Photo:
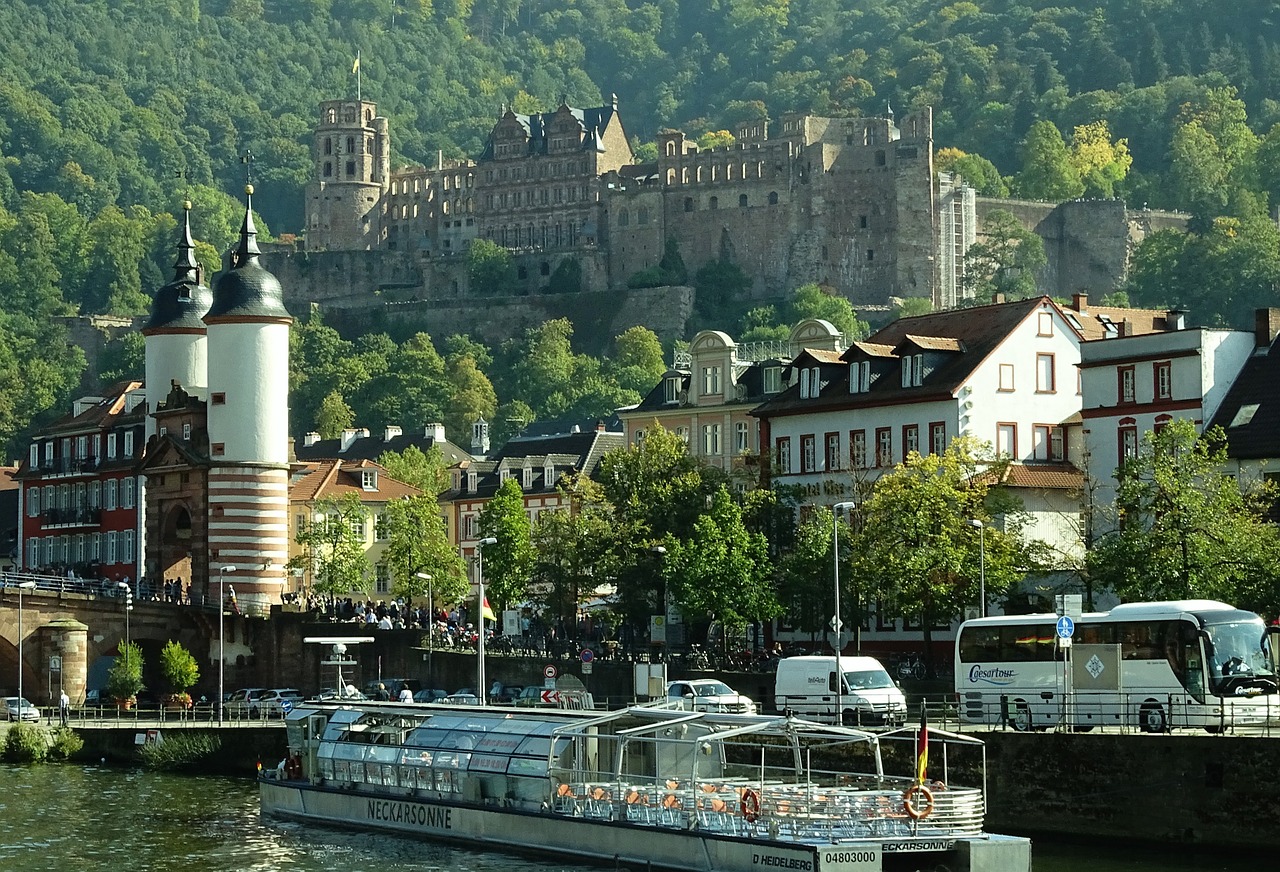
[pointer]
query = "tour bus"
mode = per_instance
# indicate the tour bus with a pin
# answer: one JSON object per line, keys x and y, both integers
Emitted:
{"x": 1191, "y": 663}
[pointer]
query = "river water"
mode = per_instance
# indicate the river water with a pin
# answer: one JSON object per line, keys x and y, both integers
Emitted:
{"x": 65, "y": 818}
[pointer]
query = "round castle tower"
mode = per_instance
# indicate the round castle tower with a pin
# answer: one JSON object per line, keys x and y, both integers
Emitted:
{"x": 175, "y": 340}
{"x": 351, "y": 154}
{"x": 248, "y": 422}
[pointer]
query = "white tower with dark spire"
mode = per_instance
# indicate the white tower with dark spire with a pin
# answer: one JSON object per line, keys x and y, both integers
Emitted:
{"x": 248, "y": 422}
{"x": 175, "y": 338}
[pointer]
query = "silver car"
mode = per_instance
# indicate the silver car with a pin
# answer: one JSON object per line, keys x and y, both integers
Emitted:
{"x": 14, "y": 708}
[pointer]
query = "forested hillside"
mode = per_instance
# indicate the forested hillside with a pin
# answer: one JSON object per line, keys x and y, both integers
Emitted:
{"x": 112, "y": 111}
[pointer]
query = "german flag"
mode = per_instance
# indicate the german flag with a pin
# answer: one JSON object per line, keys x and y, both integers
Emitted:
{"x": 486, "y": 612}
{"x": 922, "y": 747}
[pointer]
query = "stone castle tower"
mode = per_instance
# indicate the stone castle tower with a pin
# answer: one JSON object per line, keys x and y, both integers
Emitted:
{"x": 351, "y": 160}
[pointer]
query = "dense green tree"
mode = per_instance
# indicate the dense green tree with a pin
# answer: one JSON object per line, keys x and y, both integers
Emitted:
{"x": 1005, "y": 261}
{"x": 332, "y": 551}
{"x": 491, "y": 271}
{"x": 508, "y": 563}
{"x": 334, "y": 416}
{"x": 1100, "y": 162}
{"x": 637, "y": 363}
{"x": 811, "y": 301}
{"x": 426, "y": 470}
{"x": 1047, "y": 170}
{"x": 418, "y": 542}
{"x": 575, "y": 547}
{"x": 975, "y": 169}
{"x": 178, "y": 666}
{"x": 471, "y": 395}
{"x": 1183, "y": 527}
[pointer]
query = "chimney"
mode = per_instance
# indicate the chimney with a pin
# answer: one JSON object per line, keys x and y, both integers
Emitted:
{"x": 1175, "y": 319}
{"x": 391, "y": 433}
{"x": 997, "y": 297}
{"x": 435, "y": 432}
{"x": 310, "y": 439}
{"x": 1266, "y": 324}
{"x": 1080, "y": 302}
{"x": 349, "y": 436}
{"x": 599, "y": 426}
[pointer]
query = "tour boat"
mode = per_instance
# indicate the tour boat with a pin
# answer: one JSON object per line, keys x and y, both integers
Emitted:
{"x": 645, "y": 787}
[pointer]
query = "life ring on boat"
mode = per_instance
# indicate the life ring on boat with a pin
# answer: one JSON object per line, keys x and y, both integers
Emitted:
{"x": 750, "y": 805}
{"x": 917, "y": 802}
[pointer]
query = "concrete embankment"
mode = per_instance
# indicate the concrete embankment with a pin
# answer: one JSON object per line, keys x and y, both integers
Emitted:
{"x": 1183, "y": 788}
{"x": 240, "y": 750}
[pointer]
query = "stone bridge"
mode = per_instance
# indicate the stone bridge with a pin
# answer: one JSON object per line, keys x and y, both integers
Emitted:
{"x": 71, "y": 634}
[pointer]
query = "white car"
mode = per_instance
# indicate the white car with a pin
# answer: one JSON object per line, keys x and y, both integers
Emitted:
{"x": 13, "y": 708}
{"x": 709, "y": 695}
{"x": 243, "y": 703}
{"x": 275, "y": 703}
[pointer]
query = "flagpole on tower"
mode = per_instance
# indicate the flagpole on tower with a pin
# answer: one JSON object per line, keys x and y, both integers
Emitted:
{"x": 355, "y": 68}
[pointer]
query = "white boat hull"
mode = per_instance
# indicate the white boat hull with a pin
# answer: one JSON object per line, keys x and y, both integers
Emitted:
{"x": 615, "y": 843}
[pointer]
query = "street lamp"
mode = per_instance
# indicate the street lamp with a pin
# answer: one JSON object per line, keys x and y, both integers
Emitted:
{"x": 431, "y": 615}
{"x": 26, "y": 585}
{"x": 128, "y": 606}
{"x": 982, "y": 566}
{"x": 835, "y": 621}
{"x": 222, "y": 634}
{"x": 482, "y": 690}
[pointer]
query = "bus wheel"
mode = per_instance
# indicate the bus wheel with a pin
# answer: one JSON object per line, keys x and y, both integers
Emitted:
{"x": 1213, "y": 731}
{"x": 1082, "y": 728}
{"x": 1151, "y": 718}
{"x": 1020, "y": 720}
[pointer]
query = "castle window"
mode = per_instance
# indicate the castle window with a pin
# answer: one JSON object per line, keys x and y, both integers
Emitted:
{"x": 328, "y": 145}
{"x": 671, "y": 148}
{"x": 742, "y": 201}
{"x": 642, "y": 215}
{"x": 880, "y": 158}
{"x": 688, "y": 204}
{"x": 351, "y": 144}
{"x": 351, "y": 168}
{"x": 871, "y": 255}
{"x": 773, "y": 198}
{"x": 522, "y": 273}
{"x": 624, "y": 218}
{"x": 544, "y": 268}
{"x": 862, "y": 221}
{"x": 331, "y": 116}
{"x": 328, "y": 169}
{"x": 713, "y": 203}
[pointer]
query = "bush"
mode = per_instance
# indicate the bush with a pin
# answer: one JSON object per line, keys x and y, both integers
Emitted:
{"x": 66, "y": 744}
{"x": 178, "y": 667}
{"x": 26, "y": 744}
{"x": 181, "y": 752}
{"x": 124, "y": 680}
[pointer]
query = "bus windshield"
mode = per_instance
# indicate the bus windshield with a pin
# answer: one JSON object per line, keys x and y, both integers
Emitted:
{"x": 1239, "y": 654}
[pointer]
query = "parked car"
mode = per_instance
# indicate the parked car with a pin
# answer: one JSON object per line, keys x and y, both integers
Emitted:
{"x": 430, "y": 694}
{"x": 709, "y": 695}
{"x": 243, "y": 701}
{"x": 329, "y": 694}
{"x": 272, "y": 703}
{"x": 507, "y": 695}
{"x": 461, "y": 698}
{"x": 14, "y": 708}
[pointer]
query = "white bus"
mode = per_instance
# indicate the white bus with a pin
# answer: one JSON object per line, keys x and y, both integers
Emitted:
{"x": 1191, "y": 663}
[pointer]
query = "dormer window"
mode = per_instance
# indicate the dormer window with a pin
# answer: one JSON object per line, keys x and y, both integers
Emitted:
{"x": 859, "y": 376}
{"x": 503, "y": 475}
{"x": 913, "y": 370}
{"x": 471, "y": 482}
{"x": 810, "y": 382}
{"x": 772, "y": 379}
{"x": 369, "y": 479}
{"x": 711, "y": 380}
{"x": 526, "y": 478}
{"x": 671, "y": 389}
{"x": 549, "y": 475}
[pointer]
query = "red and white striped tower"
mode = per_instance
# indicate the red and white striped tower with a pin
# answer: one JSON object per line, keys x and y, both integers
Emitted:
{"x": 248, "y": 420}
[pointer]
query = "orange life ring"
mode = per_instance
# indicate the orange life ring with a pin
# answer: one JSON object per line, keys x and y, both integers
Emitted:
{"x": 917, "y": 811}
{"x": 750, "y": 805}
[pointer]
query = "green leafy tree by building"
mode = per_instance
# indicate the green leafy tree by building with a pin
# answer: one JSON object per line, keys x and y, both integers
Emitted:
{"x": 334, "y": 546}
{"x": 491, "y": 271}
{"x": 418, "y": 542}
{"x": 1047, "y": 170}
{"x": 574, "y": 546}
{"x": 180, "y": 670}
{"x": 1005, "y": 261}
{"x": 1184, "y": 528}
{"x": 124, "y": 679}
{"x": 509, "y": 562}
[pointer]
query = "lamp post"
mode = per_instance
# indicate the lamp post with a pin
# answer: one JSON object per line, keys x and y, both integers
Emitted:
{"x": 431, "y": 616}
{"x": 660, "y": 554}
{"x": 128, "y": 606}
{"x": 26, "y": 585}
{"x": 481, "y": 691}
{"x": 222, "y": 633}
{"x": 982, "y": 566}
{"x": 835, "y": 621}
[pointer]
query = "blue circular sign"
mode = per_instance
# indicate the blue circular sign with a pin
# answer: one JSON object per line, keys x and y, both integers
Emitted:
{"x": 587, "y": 655}
{"x": 1066, "y": 627}
{"x": 286, "y": 706}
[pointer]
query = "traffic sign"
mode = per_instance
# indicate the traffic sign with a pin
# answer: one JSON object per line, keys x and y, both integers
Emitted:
{"x": 586, "y": 668}
{"x": 1066, "y": 627}
{"x": 835, "y": 624}
{"x": 548, "y": 671}
{"x": 551, "y": 696}
{"x": 587, "y": 655}
{"x": 286, "y": 706}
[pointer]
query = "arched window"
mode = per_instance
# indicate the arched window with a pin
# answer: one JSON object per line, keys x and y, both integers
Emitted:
{"x": 624, "y": 217}
{"x": 684, "y": 175}
{"x": 698, "y": 174}
{"x": 328, "y": 145}
{"x": 671, "y": 148}
{"x": 642, "y": 215}
{"x": 773, "y": 198}
{"x": 331, "y": 116}
{"x": 444, "y": 207}
{"x": 688, "y": 204}
{"x": 671, "y": 177}
{"x": 742, "y": 201}
{"x": 351, "y": 144}
{"x": 713, "y": 203}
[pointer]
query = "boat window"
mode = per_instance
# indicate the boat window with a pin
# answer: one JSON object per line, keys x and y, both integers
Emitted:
{"x": 339, "y": 721}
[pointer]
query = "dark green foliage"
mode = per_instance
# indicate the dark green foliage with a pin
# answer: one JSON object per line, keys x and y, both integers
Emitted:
{"x": 66, "y": 743}
{"x": 25, "y": 743}
{"x": 181, "y": 751}
{"x": 567, "y": 279}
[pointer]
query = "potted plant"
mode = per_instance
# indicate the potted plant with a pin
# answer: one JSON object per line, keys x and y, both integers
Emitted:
{"x": 180, "y": 672}
{"x": 124, "y": 680}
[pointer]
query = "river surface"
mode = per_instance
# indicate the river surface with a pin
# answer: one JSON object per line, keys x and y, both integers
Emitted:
{"x": 65, "y": 818}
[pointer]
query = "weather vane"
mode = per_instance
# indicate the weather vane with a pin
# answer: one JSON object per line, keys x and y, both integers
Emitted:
{"x": 247, "y": 160}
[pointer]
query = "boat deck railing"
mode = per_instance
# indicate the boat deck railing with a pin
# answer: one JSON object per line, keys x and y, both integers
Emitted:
{"x": 801, "y": 812}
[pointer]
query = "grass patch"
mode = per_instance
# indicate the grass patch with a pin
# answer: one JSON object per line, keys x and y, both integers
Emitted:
{"x": 181, "y": 752}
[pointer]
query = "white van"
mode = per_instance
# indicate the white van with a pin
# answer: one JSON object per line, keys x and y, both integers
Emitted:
{"x": 807, "y": 687}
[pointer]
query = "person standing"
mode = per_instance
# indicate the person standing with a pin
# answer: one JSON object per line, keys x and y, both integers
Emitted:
{"x": 406, "y": 695}
{"x": 64, "y": 707}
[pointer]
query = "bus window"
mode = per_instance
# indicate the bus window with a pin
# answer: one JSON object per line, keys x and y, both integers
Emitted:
{"x": 980, "y": 645}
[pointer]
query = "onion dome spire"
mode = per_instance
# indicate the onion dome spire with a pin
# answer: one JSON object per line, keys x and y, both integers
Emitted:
{"x": 183, "y": 302}
{"x": 247, "y": 290}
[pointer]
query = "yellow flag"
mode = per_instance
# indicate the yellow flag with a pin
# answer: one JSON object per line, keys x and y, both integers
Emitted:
{"x": 355, "y": 68}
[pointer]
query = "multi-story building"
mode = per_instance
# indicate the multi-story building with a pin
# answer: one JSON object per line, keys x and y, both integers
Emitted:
{"x": 1135, "y": 384}
{"x": 319, "y": 481}
{"x": 1248, "y": 413}
{"x": 535, "y": 463}
{"x": 708, "y": 394}
{"x": 80, "y": 492}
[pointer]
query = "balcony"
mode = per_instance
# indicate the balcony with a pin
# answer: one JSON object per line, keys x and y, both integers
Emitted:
{"x": 77, "y": 517}
{"x": 68, "y": 466}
